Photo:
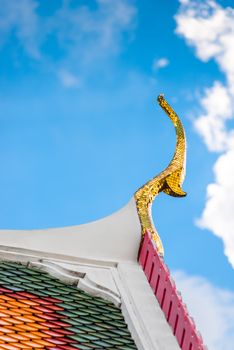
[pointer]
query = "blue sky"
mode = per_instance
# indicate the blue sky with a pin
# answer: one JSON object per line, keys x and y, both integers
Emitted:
{"x": 80, "y": 129}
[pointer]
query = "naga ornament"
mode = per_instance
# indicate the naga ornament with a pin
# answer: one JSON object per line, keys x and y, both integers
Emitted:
{"x": 168, "y": 181}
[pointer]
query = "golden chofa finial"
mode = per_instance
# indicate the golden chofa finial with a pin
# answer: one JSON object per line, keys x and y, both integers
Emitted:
{"x": 168, "y": 181}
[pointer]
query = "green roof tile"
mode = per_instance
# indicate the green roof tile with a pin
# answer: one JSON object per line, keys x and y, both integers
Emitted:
{"x": 87, "y": 322}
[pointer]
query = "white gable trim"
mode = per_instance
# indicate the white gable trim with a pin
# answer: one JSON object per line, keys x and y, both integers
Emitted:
{"x": 123, "y": 283}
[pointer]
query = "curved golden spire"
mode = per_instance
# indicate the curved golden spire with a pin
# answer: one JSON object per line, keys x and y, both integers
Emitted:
{"x": 168, "y": 181}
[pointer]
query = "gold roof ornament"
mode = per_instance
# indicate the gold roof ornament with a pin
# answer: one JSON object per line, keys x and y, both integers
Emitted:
{"x": 168, "y": 181}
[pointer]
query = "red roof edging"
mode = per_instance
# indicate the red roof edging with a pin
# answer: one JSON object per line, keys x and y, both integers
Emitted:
{"x": 169, "y": 298}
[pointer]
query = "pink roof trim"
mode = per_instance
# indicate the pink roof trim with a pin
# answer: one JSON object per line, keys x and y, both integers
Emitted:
{"x": 169, "y": 298}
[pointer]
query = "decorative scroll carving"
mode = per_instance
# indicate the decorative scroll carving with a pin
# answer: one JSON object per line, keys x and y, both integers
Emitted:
{"x": 168, "y": 181}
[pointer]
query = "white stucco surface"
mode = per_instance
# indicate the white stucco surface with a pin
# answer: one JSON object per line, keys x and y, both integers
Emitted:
{"x": 101, "y": 258}
{"x": 113, "y": 238}
{"x": 142, "y": 311}
{"x": 124, "y": 284}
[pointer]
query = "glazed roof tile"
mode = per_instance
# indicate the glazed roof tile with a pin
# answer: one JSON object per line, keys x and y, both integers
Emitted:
{"x": 38, "y": 311}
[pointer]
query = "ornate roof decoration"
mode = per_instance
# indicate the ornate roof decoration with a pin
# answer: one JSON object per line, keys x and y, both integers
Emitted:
{"x": 84, "y": 287}
{"x": 168, "y": 181}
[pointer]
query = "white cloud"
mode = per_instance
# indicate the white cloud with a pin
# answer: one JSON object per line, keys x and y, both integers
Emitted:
{"x": 89, "y": 33}
{"x": 209, "y": 28}
{"x": 68, "y": 79}
{"x": 20, "y": 17}
{"x": 82, "y": 33}
{"x": 217, "y": 109}
{"x": 218, "y": 215}
{"x": 160, "y": 63}
{"x": 217, "y": 327}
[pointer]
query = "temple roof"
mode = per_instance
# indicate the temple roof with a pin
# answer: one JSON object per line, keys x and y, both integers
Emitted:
{"x": 39, "y": 311}
{"x": 102, "y": 285}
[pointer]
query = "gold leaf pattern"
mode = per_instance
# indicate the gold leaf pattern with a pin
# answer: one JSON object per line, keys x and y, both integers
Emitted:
{"x": 168, "y": 181}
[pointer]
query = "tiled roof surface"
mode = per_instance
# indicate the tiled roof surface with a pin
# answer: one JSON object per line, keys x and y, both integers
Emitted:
{"x": 38, "y": 311}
